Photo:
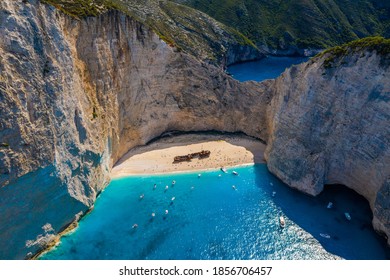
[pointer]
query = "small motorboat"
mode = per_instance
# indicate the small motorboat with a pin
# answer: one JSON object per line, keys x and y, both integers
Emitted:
{"x": 134, "y": 226}
{"x": 223, "y": 169}
{"x": 141, "y": 196}
{"x": 173, "y": 182}
{"x": 347, "y": 216}
{"x": 330, "y": 205}
{"x": 166, "y": 212}
{"x": 235, "y": 173}
{"x": 166, "y": 188}
{"x": 199, "y": 175}
{"x": 173, "y": 198}
{"x": 153, "y": 215}
{"x": 234, "y": 187}
{"x": 282, "y": 222}
{"x": 155, "y": 186}
{"x": 271, "y": 184}
{"x": 325, "y": 235}
{"x": 273, "y": 194}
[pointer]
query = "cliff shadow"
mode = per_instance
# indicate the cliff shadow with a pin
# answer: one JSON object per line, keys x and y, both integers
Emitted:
{"x": 353, "y": 239}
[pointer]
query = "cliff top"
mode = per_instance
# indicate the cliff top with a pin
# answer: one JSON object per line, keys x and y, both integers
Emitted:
{"x": 179, "y": 26}
{"x": 378, "y": 44}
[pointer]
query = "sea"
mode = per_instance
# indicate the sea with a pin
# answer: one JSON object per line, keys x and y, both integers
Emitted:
{"x": 221, "y": 216}
{"x": 213, "y": 215}
{"x": 267, "y": 68}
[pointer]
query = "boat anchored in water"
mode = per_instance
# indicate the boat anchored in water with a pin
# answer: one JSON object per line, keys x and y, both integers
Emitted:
{"x": 282, "y": 222}
{"x": 325, "y": 235}
{"x": 235, "y": 173}
{"x": 223, "y": 169}
{"x": 347, "y": 216}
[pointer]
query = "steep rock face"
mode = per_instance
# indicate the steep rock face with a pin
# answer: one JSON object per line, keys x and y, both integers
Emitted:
{"x": 77, "y": 94}
{"x": 158, "y": 89}
{"x": 330, "y": 125}
{"x": 53, "y": 163}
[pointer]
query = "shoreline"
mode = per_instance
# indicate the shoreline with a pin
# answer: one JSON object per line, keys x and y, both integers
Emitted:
{"x": 183, "y": 171}
{"x": 157, "y": 158}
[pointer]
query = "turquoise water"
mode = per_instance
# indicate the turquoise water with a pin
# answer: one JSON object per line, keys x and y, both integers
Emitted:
{"x": 209, "y": 219}
{"x": 267, "y": 68}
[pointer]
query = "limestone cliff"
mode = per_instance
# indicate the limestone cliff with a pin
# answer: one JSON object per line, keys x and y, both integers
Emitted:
{"x": 77, "y": 94}
{"x": 329, "y": 124}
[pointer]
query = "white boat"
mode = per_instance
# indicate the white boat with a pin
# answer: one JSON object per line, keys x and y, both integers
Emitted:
{"x": 141, "y": 196}
{"x": 223, "y": 169}
{"x": 347, "y": 216}
{"x": 273, "y": 194}
{"x": 173, "y": 182}
{"x": 235, "y": 173}
{"x": 282, "y": 222}
{"x": 234, "y": 187}
{"x": 330, "y": 205}
{"x": 324, "y": 235}
{"x": 173, "y": 198}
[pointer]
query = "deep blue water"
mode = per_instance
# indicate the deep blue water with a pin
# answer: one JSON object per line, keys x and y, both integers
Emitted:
{"x": 210, "y": 220}
{"x": 267, "y": 68}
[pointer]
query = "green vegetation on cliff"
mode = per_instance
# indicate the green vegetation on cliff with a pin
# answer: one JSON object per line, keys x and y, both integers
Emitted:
{"x": 377, "y": 44}
{"x": 282, "y": 24}
{"x": 178, "y": 25}
{"x": 82, "y": 8}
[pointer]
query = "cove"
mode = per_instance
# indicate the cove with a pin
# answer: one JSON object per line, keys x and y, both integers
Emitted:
{"x": 267, "y": 68}
{"x": 209, "y": 219}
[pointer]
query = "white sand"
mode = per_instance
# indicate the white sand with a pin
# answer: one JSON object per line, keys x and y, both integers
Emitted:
{"x": 157, "y": 157}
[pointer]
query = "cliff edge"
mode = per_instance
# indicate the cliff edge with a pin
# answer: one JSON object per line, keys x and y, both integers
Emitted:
{"x": 329, "y": 124}
{"x": 78, "y": 94}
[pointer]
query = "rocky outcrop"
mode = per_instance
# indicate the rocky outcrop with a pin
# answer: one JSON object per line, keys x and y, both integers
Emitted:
{"x": 329, "y": 124}
{"x": 77, "y": 94}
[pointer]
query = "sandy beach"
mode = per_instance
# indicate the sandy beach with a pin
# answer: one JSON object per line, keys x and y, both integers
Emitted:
{"x": 158, "y": 156}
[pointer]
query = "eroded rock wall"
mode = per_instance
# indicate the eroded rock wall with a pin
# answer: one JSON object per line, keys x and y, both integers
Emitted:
{"x": 77, "y": 94}
{"x": 330, "y": 125}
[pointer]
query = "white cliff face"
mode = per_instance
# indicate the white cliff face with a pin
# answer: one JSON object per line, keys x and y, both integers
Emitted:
{"x": 146, "y": 88}
{"x": 75, "y": 95}
{"x": 78, "y": 94}
{"x": 52, "y": 165}
{"x": 331, "y": 126}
